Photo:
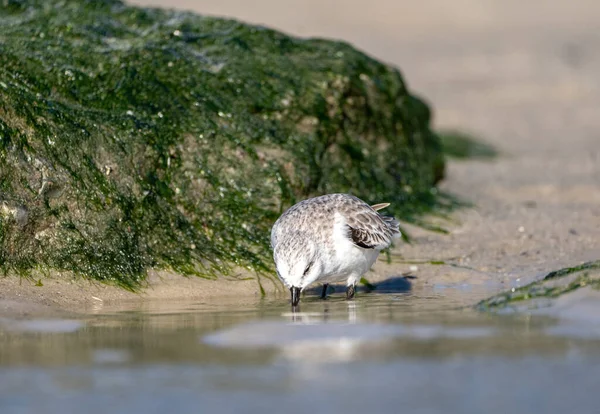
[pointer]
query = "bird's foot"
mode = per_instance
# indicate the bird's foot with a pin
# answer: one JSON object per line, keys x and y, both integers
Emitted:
{"x": 350, "y": 290}
{"x": 324, "y": 291}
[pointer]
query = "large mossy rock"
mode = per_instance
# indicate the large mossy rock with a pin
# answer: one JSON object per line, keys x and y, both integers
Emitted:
{"x": 133, "y": 138}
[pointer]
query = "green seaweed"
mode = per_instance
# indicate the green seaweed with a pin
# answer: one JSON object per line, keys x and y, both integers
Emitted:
{"x": 461, "y": 145}
{"x": 135, "y": 138}
{"x": 569, "y": 270}
{"x": 553, "y": 285}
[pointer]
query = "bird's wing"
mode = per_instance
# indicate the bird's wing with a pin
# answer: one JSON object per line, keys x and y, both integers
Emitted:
{"x": 369, "y": 230}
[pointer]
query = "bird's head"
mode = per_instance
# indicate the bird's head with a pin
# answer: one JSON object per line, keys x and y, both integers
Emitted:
{"x": 296, "y": 260}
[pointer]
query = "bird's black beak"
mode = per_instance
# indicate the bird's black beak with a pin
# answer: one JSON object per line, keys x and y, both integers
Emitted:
{"x": 295, "y": 291}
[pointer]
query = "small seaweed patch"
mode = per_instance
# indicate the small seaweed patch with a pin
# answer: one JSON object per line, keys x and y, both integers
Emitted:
{"x": 568, "y": 270}
{"x": 135, "y": 138}
{"x": 553, "y": 285}
{"x": 461, "y": 145}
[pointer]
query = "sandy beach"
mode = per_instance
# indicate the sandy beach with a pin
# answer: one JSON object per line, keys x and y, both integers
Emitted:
{"x": 520, "y": 77}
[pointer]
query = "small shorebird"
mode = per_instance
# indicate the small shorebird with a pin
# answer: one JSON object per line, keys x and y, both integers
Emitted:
{"x": 331, "y": 238}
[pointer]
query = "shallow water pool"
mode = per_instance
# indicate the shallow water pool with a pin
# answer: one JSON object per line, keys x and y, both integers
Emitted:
{"x": 415, "y": 352}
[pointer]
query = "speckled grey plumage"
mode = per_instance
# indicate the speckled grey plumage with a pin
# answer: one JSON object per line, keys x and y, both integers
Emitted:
{"x": 330, "y": 233}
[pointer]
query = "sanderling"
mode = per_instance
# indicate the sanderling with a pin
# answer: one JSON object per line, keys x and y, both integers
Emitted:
{"x": 331, "y": 238}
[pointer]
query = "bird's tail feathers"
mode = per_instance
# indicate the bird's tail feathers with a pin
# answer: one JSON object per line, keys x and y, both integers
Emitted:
{"x": 393, "y": 225}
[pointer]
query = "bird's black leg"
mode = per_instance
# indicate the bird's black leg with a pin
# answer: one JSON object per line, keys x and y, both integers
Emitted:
{"x": 350, "y": 290}
{"x": 324, "y": 292}
{"x": 295, "y": 291}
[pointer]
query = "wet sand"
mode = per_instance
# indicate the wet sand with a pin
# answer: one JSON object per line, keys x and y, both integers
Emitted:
{"x": 522, "y": 77}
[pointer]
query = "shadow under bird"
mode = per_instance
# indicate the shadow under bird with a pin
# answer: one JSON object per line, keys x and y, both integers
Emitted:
{"x": 331, "y": 238}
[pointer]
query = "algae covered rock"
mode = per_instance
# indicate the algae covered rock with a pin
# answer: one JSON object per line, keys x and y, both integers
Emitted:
{"x": 133, "y": 138}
